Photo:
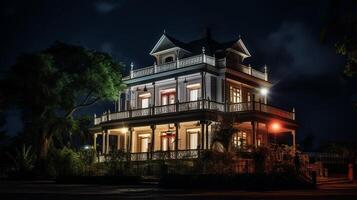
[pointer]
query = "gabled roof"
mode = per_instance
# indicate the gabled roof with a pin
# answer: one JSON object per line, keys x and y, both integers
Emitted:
{"x": 167, "y": 42}
{"x": 237, "y": 45}
{"x": 211, "y": 46}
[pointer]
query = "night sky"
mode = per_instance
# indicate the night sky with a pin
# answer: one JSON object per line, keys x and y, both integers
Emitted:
{"x": 285, "y": 35}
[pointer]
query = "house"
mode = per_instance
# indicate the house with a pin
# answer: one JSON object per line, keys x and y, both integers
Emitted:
{"x": 171, "y": 109}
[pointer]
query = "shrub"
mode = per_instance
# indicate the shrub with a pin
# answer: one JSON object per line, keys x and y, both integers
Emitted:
{"x": 23, "y": 160}
{"x": 67, "y": 162}
{"x": 115, "y": 164}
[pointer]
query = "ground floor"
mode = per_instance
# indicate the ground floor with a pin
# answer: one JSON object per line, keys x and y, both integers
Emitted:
{"x": 186, "y": 139}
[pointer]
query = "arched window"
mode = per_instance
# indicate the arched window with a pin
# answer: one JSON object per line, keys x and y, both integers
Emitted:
{"x": 169, "y": 59}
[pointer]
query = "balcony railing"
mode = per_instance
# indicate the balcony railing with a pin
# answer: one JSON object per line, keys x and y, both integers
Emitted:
{"x": 165, "y": 155}
{"x": 193, "y": 60}
{"x": 195, "y": 105}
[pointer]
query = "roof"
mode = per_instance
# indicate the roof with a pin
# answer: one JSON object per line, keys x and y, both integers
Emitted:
{"x": 211, "y": 46}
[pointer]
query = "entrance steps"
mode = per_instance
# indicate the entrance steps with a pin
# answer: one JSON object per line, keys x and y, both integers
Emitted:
{"x": 332, "y": 180}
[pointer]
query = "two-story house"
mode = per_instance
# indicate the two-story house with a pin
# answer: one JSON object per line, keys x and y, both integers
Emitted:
{"x": 177, "y": 104}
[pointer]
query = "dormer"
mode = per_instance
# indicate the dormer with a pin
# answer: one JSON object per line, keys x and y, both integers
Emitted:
{"x": 168, "y": 50}
{"x": 236, "y": 52}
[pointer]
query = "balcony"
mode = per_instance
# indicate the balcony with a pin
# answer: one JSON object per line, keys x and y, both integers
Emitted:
{"x": 193, "y": 60}
{"x": 182, "y": 107}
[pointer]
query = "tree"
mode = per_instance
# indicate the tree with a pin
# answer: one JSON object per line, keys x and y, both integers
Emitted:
{"x": 223, "y": 134}
{"x": 50, "y": 86}
{"x": 341, "y": 29}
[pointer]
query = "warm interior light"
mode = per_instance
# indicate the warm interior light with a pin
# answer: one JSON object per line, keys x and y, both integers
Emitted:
{"x": 168, "y": 90}
{"x": 195, "y": 85}
{"x": 145, "y": 135}
{"x": 123, "y": 130}
{"x": 275, "y": 126}
{"x": 145, "y": 95}
{"x": 264, "y": 91}
{"x": 193, "y": 129}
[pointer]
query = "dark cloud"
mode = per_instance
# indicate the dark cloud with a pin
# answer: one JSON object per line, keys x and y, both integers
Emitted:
{"x": 105, "y": 6}
{"x": 295, "y": 50}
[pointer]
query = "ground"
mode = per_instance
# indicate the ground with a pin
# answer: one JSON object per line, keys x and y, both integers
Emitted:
{"x": 49, "y": 190}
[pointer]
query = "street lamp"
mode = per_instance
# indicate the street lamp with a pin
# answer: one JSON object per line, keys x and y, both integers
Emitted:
{"x": 264, "y": 92}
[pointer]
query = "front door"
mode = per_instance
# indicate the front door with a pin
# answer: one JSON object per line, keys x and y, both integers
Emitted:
{"x": 144, "y": 141}
{"x": 192, "y": 136}
{"x": 167, "y": 142}
{"x": 168, "y": 98}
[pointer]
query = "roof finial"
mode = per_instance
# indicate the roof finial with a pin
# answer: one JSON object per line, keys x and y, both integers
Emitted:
{"x": 164, "y": 31}
{"x": 203, "y": 50}
{"x": 131, "y": 66}
{"x": 239, "y": 36}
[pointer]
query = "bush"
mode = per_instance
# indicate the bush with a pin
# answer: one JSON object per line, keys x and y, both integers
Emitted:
{"x": 116, "y": 165}
{"x": 67, "y": 162}
{"x": 23, "y": 160}
{"x": 88, "y": 156}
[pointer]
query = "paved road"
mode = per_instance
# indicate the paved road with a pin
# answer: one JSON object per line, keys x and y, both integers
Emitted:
{"x": 52, "y": 191}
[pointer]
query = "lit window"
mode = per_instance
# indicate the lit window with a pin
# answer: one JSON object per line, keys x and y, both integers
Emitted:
{"x": 240, "y": 139}
{"x": 192, "y": 138}
{"x": 144, "y": 102}
{"x": 168, "y": 96}
{"x": 144, "y": 142}
{"x": 234, "y": 94}
{"x": 194, "y": 94}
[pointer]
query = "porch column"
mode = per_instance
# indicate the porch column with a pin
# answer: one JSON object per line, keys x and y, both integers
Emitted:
{"x": 154, "y": 98}
{"x": 266, "y": 134}
{"x": 177, "y": 88}
{"x": 152, "y": 148}
{"x": 103, "y": 142}
{"x": 202, "y": 143}
{"x": 207, "y": 144}
{"x": 202, "y": 88}
{"x": 107, "y": 138}
{"x": 129, "y": 136}
{"x": 294, "y": 140}
{"x": 254, "y": 133}
{"x": 177, "y": 125}
{"x": 118, "y": 141}
{"x": 95, "y": 142}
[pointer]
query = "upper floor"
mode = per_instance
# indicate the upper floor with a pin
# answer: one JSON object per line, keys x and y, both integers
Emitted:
{"x": 170, "y": 54}
{"x": 199, "y": 75}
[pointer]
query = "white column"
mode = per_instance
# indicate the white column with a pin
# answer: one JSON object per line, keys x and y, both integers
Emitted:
{"x": 125, "y": 142}
{"x": 118, "y": 141}
{"x": 95, "y": 142}
{"x": 103, "y": 142}
{"x": 107, "y": 141}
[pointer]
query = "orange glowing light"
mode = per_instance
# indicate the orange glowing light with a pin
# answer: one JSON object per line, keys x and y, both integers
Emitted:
{"x": 275, "y": 126}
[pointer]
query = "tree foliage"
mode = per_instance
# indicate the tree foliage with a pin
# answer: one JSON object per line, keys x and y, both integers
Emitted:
{"x": 341, "y": 29}
{"x": 50, "y": 86}
{"x": 222, "y": 136}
